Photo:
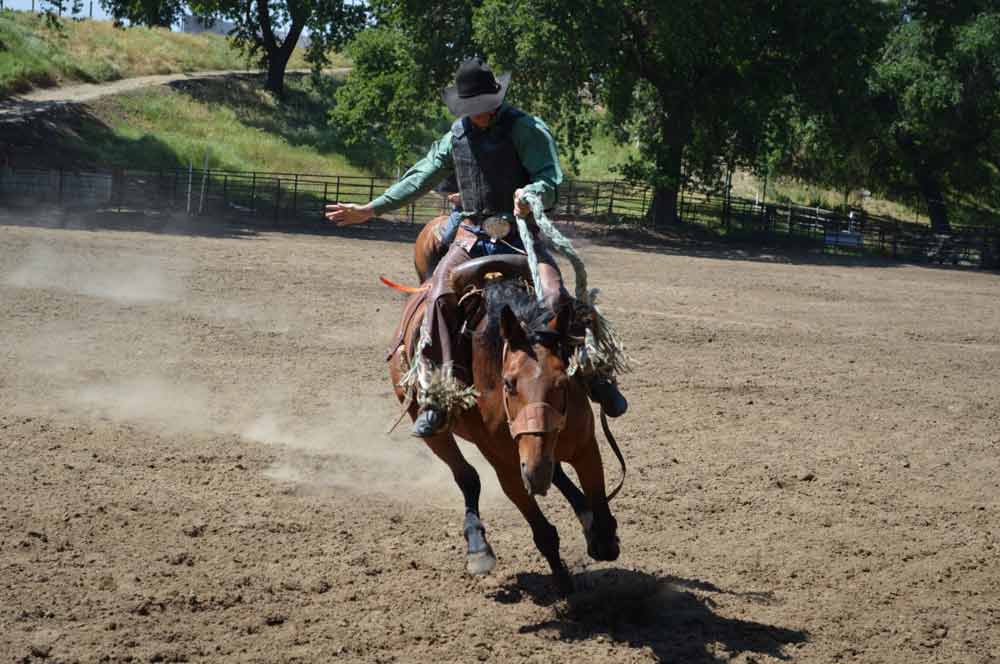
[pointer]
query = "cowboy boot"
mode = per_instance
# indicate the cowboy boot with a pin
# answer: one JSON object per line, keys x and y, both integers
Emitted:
{"x": 605, "y": 392}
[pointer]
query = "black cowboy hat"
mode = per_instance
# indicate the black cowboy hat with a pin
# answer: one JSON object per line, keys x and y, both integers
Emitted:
{"x": 476, "y": 89}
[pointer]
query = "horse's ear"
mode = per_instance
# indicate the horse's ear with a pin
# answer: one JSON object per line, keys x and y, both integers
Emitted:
{"x": 510, "y": 328}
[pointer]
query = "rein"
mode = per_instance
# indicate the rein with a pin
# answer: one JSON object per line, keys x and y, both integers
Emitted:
{"x": 613, "y": 444}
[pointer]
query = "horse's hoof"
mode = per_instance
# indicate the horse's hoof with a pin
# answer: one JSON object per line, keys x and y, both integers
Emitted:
{"x": 605, "y": 551}
{"x": 481, "y": 563}
{"x": 564, "y": 582}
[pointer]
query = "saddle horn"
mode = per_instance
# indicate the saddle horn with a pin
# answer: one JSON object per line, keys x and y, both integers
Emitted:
{"x": 473, "y": 272}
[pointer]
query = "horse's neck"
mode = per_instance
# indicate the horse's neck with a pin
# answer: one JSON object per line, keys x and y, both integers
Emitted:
{"x": 487, "y": 358}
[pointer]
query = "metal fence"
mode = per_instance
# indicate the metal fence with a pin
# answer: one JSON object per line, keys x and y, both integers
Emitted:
{"x": 281, "y": 197}
{"x": 977, "y": 246}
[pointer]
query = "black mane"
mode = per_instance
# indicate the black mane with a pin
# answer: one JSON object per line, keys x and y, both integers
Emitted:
{"x": 534, "y": 317}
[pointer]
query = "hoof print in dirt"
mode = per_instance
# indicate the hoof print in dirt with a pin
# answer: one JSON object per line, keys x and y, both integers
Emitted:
{"x": 275, "y": 619}
{"x": 181, "y": 558}
{"x": 195, "y": 531}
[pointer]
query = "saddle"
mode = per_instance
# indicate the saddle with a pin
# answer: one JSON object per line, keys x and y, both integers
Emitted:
{"x": 467, "y": 280}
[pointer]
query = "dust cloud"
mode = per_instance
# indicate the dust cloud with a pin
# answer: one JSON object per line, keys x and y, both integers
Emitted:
{"x": 349, "y": 448}
{"x": 107, "y": 360}
{"x": 125, "y": 278}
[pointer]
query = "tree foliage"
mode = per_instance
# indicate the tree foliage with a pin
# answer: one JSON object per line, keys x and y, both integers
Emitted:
{"x": 384, "y": 105}
{"x": 157, "y": 13}
{"x": 694, "y": 85}
{"x": 936, "y": 89}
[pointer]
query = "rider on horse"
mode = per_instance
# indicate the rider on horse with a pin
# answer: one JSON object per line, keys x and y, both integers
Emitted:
{"x": 498, "y": 154}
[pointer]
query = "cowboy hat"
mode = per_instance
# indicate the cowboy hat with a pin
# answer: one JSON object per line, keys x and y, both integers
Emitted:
{"x": 476, "y": 89}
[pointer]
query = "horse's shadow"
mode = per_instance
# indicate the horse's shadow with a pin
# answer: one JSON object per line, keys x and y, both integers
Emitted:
{"x": 675, "y": 617}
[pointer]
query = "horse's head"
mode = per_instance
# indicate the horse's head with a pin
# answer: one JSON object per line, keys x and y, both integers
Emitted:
{"x": 536, "y": 396}
{"x": 535, "y": 385}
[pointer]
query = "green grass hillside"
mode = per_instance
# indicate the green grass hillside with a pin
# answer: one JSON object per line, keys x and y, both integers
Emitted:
{"x": 238, "y": 124}
{"x": 34, "y": 54}
{"x": 235, "y": 121}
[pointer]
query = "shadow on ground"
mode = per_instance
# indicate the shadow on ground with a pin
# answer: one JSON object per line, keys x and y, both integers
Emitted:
{"x": 676, "y": 618}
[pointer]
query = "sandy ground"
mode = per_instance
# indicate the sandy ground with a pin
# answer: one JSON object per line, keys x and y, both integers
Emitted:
{"x": 194, "y": 465}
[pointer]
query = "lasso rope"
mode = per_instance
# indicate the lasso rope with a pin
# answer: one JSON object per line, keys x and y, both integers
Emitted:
{"x": 602, "y": 352}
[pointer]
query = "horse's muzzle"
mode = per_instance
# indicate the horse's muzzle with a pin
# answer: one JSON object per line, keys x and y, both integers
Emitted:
{"x": 537, "y": 477}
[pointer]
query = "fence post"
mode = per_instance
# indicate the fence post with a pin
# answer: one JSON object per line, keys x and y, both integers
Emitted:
{"x": 336, "y": 196}
{"x": 225, "y": 190}
{"x": 569, "y": 200}
{"x": 597, "y": 198}
{"x": 295, "y": 196}
{"x": 190, "y": 178}
{"x": 611, "y": 201}
{"x": 253, "y": 191}
{"x": 371, "y": 189}
{"x": 325, "y": 199}
{"x": 277, "y": 197}
{"x": 642, "y": 210}
{"x": 895, "y": 239}
{"x": 985, "y": 250}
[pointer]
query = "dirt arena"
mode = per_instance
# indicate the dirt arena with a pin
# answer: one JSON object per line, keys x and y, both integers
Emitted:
{"x": 193, "y": 465}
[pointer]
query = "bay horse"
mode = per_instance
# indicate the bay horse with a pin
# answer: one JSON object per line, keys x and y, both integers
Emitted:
{"x": 530, "y": 416}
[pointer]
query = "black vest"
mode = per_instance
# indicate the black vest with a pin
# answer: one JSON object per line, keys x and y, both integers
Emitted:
{"x": 486, "y": 164}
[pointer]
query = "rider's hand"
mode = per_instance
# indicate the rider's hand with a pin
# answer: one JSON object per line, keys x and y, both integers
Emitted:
{"x": 455, "y": 199}
{"x": 521, "y": 208}
{"x": 348, "y": 214}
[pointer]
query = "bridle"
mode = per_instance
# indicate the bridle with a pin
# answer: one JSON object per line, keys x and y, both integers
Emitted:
{"x": 537, "y": 417}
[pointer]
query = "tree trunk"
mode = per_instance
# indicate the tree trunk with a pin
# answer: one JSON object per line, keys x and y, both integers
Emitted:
{"x": 663, "y": 209}
{"x": 930, "y": 189}
{"x": 278, "y": 54}
{"x": 277, "y": 60}
{"x": 674, "y": 131}
{"x": 276, "y": 66}
{"x": 928, "y": 182}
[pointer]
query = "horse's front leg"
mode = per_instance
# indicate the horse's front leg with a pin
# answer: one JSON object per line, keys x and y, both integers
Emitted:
{"x": 599, "y": 526}
{"x": 544, "y": 533}
{"x": 479, "y": 556}
{"x": 579, "y": 502}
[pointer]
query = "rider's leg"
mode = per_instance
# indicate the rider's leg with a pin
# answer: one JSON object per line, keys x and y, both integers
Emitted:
{"x": 437, "y": 361}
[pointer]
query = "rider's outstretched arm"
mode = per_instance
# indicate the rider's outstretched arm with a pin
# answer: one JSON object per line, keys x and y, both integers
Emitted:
{"x": 417, "y": 181}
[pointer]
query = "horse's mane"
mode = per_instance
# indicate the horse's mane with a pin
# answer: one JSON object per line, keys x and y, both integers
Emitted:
{"x": 534, "y": 316}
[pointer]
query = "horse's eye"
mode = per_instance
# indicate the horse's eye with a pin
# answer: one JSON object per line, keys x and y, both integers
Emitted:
{"x": 510, "y": 384}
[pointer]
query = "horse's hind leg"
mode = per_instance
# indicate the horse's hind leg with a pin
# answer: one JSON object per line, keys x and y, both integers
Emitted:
{"x": 544, "y": 533}
{"x": 602, "y": 533}
{"x": 479, "y": 556}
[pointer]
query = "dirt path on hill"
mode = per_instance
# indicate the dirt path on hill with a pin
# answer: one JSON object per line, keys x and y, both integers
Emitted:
{"x": 39, "y": 101}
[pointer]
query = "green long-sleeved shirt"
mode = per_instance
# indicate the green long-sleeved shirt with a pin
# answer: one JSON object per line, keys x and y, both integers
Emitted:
{"x": 535, "y": 148}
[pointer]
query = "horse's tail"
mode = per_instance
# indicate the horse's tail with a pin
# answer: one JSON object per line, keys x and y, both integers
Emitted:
{"x": 404, "y": 289}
